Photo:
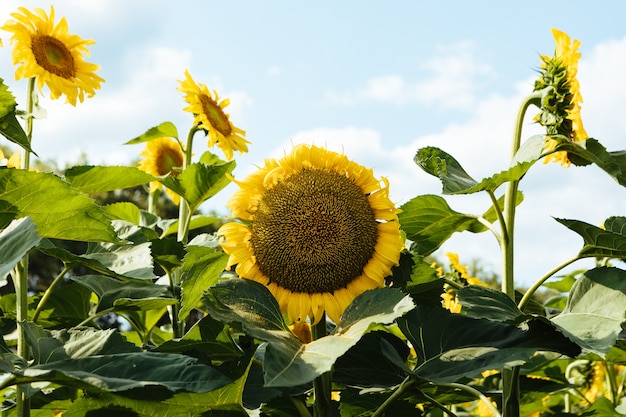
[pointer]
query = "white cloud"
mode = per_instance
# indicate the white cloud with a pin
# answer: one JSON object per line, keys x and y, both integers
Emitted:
{"x": 274, "y": 70}
{"x": 450, "y": 82}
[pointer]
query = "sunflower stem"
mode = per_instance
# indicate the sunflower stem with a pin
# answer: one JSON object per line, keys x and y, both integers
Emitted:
{"x": 322, "y": 384}
{"x": 21, "y": 270}
{"x": 406, "y": 384}
{"x": 529, "y": 293}
{"x": 153, "y": 199}
{"x": 510, "y": 377}
{"x": 48, "y": 292}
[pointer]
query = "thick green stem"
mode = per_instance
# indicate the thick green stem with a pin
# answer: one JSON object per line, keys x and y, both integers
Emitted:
{"x": 21, "y": 281}
{"x": 184, "y": 214}
{"x": 322, "y": 384}
{"x": 48, "y": 292}
{"x": 527, "y": 296}
{"x": 510, "y": 395}
{"x": 153, "y": 199}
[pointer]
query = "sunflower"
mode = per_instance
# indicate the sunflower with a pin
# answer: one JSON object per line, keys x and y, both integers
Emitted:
{"x": 561, "y": 97}
{"x": 47, "y": 52}
{"x": 13, "y": 161}
{"x": 319, "y": 231}
{"x": 459, "y": 274}
{"x": 163, "y": 156}
{"x": 209, "y": 115}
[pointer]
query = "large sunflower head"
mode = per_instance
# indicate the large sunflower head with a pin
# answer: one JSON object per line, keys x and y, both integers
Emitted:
{"x": 208, "y": 111}
{"x": 47, "y": 52}
{"x": 319, "y": 230}
{"x": 162, "y": 156}
{"x": 561, "y": 97}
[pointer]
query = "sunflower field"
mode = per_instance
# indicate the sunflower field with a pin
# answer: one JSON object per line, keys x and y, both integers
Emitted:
{"x": 316, "y": 296}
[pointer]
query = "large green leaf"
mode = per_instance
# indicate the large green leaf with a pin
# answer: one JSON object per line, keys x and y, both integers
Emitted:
{"x": 58, "y": 210}
{"x": 286, "y": 360}
{"x": 7, "y": 100}
{"x": 487, "y": 303}
{"x": 98, "y": 179}
{"x": 56, "y": 345}
{"x": 429, "y": 221}
{"x": 112, "y": 292}
{"x": 170, "y": 226}
{"x": 609, "y": 242}
{"x": 595, "y": 308}
{"x": 451, "y": 346}
{"x": 454, "y": 178}
{"x": 15, "y": 242}
{"x": 377, "y": 360}
{"x": 71, "y": 260}
{"x": 199, "y": 182}
{"x": 207, "y": 337}
{"x": 134, "y": 259}
{"x": 201, "y": 269}
{"x": 165, "y": 129}
{"x": 225, "y": 401}
{"x": 123, "y": 372}
{"x": 592, "y": 151}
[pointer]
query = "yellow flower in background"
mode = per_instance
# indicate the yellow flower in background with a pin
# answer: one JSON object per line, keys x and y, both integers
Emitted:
{"x": 208, "y": 111}
{"x": 561, "y": 97}
{"x": 46, "y": 51}
{"x": 13, "y": 161}
{"x": 162, "y": 156}
{"x": 320, "y": 230}
{"x": 459, "y": 273}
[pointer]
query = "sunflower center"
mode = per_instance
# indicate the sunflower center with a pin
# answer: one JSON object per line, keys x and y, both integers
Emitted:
{"x": 53, "y": 56}
{"x": 314, "y": 232}
{"x": 216, "y": 115}
{"x": 167, "y": 160}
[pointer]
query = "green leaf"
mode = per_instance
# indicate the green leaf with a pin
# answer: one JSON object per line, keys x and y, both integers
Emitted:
{"x": 225, "y": 401}
{"x": 287, "y": 361}
{"x": 125, "y": 371}
{"x": 165, "y": 129}
{"x": 200, "y": 270}
{"x": 98, "y": 179}
{"x": 592, "y": 151}
{"x": 599, "y": 242}
{"x": 454, "y": 178}
{"x": 377, "y": 360}
{"x": 7, "y": 100}
{"x": 58, "y": 210}
{"x": 15, "y": 242}
{"x": 170, "y": 226}
{"x": 429, "y": 221}
{"x": 56, "y": 345}
{"x": 199, "y": 182}
{"x": 168, "y": 253}
{"x": 490, "y": 304}
{"x": 10, "y": 127}
{"x": 47, "y": 247}
{"x": 207, "y": 337}
{"x": 451, "y": 346}
{"x": 113, "y": 292}
{"x": 129, "y": 260}
{"x": 594, "y": 312}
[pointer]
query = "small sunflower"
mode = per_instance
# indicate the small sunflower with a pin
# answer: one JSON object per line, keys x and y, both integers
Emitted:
{"x": 320, "y": 230}
{"x": 561, "y": 97}
{"x": 47, "y": 52}
{"x": 163, "y": 156}
{"x": 208, "y": 111}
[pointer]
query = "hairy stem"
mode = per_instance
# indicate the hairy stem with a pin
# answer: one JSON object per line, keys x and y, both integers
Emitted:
{"x": 527, "y": 296}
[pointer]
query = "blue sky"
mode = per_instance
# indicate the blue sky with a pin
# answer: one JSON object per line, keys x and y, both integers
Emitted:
{"x": 377, "y": 80}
